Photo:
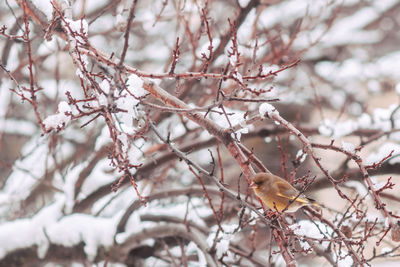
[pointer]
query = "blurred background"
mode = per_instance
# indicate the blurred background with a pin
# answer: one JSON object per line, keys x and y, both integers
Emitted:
{"x": 74, "y": 178}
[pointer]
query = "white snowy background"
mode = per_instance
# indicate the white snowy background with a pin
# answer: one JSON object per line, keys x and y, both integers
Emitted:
{"x": 57, "y": 206}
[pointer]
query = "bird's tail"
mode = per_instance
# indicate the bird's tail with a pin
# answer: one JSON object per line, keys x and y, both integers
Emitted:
{"x": 313, "y": 202}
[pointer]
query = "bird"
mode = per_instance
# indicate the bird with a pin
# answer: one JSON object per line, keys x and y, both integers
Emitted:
{"x": 278, "y": 194}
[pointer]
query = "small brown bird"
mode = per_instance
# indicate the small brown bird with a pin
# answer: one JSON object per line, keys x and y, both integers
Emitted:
{"x": 278, "y": 194}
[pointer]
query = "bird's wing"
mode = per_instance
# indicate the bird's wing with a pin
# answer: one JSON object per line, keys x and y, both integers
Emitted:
{"x": 289, "y": 192}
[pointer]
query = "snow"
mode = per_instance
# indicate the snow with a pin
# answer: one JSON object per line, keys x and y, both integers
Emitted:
{"x": 53, "y": 88}
{"x": 386, "y": 249}
{"x": 349, "y": 147}
{"x": 351, "y": 29}
{"x": 238, "y": 76}
{"x": 235, "y": 118}
{"x": 350, "y": 75}
{"x": 377, "y": 185}
{"x": 102, "y": 100}
{"x": 383, "y": 151}
{"x": 326, "y": 69}
{"x": 108, "y": 204}
{"x": 45, "y": 7}
{"x": 48, "y": 47}
{"x": 128, "y": 103}
{"x": 20, "y": 127}
{"x": 243, "y": 32}
{"x": 265, "y": 109}
{"x": 350, "y": 69}
{"x": 78, "y": 28}
{"x": 309, "y": 229}
{"x": 223, "y": 242}
{"x": 192, "y": 248}
{"x": 20, "y": 182}
{"x": 359, "y": 187}
{"x": 5, "y": 96}
{"x": 387, "y": 222}
{"x": 196, "y": 212}
{"x": 204, "y": 49}
{"x": 355, "y": 69}
{"x": 243, "y": 3}
{"x": 103, "y": 139}
{"x": 63, "y": 107}
{"x": 88, "y": 5}
{"x": 337, "y": 129}
{"x": 93, "y": 231}
{"x": 31, "y": 231}
{"x": 239, "y": 133}
{"x": 290, "y": 10}
{"x": 69, "y": 186}
{"x": 59, "y": 120}
{"x": 346, "y": 261}
{"x": 135, "y": 85}
{"x": 100, "y": 175}
{"x": 374, "y": 86}
{"x": 325, "y": 129}
{"x": 105, "y": 86}
{"x": 124, "y": 141}
{"x": 120, "y": 23}
{"x": 232, "y": 59}
{"x": 133, "y": 225}
{"x": 388, "y": 65}
{"x": 222, "y": 247}
{"x": 79, "y": 73}
{"x": 380, "y": 120}
{"x": 337, "y": 99}
{"x": 364, "y": 121}
{"x": 269, "y": 69}
{"x": 301, "y": 155}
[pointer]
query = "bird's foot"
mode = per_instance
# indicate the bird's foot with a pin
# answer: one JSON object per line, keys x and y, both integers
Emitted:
{"x": 270, "y": 214}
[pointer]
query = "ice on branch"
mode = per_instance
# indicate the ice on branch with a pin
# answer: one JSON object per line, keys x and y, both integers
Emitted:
{"x": 59, "y": 120}
{"x": 265, "y": 109}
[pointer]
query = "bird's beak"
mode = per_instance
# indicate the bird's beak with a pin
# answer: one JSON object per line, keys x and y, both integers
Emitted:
{"x": 253, "y": 185}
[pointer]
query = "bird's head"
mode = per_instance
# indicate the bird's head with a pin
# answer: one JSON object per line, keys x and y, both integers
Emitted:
{"x": 260, "y": 179}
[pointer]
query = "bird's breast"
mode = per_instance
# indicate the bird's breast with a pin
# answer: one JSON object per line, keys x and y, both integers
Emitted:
{"x": 276, "y": 202}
